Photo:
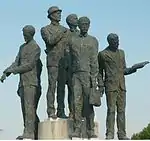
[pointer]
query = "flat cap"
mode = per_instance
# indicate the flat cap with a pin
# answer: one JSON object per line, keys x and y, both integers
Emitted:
{"x": 53, "y": 9}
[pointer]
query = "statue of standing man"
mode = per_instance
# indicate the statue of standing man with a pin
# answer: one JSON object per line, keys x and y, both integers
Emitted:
{"x": 84, "y": 51}
{"x": 65, "y": 73}
{"x": 112, "y": 68}
{"x": 54, "y": 36}
{"x": 28, "y": 65}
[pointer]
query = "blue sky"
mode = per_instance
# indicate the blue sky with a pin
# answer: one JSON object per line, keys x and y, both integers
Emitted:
{"x": 129, "y": 19}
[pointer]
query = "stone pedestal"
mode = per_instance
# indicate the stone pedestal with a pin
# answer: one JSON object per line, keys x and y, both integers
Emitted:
{"x": 60, "y": 129}
{"x": 54, "y": 129}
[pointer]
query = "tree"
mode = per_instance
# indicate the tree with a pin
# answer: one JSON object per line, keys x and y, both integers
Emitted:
{"x": 144, "y": 134}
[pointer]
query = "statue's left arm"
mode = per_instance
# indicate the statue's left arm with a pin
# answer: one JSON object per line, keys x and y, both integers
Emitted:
{"x": 127, "y": 70}
{"x": 94, "y": 62}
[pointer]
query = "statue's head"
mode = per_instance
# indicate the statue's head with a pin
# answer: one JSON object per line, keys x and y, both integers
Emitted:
{"x": 72, "y": 21}
{"x": 54, "y": 13}
{"x": 28, "y": 32}
{"x": 84, "y": 24}
{"x": 113, "y": 40}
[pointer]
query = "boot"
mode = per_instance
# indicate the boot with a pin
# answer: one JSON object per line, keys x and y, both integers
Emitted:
{"x": 19, "y": 138}
{"x": 53, "y": 116}
{"x": 61, "y": 114}
{"x": 91, "y": 134}
{"x": 76, "y": 133}
{"x": 123, "y": 138}
{"x": 109, "y": 137}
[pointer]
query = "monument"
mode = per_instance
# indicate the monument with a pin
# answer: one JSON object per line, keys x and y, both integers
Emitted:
{"x": 73, "y": 59}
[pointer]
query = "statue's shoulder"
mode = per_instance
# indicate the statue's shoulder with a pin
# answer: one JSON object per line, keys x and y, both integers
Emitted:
{"x": 47, "y": 27}
{"x": 105, "y": 51}
{"x": 121, "y": 51}
{"x": 22, "y": 45}
{"x": 34, "y": 43}
{"x": 102, "y": 53}
{"x": 68, "y": 32}
{"x": 93, "y": 38}
{"x": 93, "y": 41}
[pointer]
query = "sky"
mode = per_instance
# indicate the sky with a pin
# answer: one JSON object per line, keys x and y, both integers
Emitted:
{"x": 129, "y": 19}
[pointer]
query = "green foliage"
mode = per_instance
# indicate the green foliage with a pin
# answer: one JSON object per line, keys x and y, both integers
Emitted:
{"x": 144, "y": 134}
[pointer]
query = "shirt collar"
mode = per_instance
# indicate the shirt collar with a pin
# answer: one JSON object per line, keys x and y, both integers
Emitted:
{"x": 55, "y": 23}
{"x": 85, "y": 35}
{"x": 73, "y": 30}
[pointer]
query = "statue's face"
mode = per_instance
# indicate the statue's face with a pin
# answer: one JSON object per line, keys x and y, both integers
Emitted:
{"x": 84, "y": 27}
{"x": 27, "y": 36}
{"x": 114, "y": 43}
{"x": 56, "y": 16}
{"x": 74, "y": 21}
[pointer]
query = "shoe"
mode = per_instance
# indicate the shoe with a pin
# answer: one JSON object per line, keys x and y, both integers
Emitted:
{"x": 53, "y": 116}
{"x": 76, "y": 134}
{"x": 109, "y": 137}
{"x": 61, "y": 115}
{"x": 123, "y": 138}
{"x": 19, "y": 138}
{"x": 91, "y": 134}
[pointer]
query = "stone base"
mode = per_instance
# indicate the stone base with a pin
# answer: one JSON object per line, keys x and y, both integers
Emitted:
{"x": 53, "y": 129}
{"x": 60, "y": 129}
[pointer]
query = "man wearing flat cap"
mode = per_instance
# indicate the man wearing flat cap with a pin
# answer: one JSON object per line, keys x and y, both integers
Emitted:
{"x": 54, "y": 36}
{"x": 28, "y": 65}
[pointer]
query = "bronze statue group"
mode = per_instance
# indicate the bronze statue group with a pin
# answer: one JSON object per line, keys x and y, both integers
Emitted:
{"x": 73, "y": 60}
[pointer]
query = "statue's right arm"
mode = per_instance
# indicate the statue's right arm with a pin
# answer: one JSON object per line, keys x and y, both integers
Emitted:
{"x": 7, "y": 71}
{"x": 13, "y": 65}
{"x": 51, "y": 38}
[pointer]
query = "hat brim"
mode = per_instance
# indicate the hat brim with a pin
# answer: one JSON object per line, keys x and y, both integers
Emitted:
{"x": 55, "y": 11}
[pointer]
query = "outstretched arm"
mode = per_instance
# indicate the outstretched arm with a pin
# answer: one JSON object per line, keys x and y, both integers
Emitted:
{"x": 13, "y": 65}
{"x": 140, "y": 65}
{"x": 7, "y": 71}
{"x": 127, "y": 71}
